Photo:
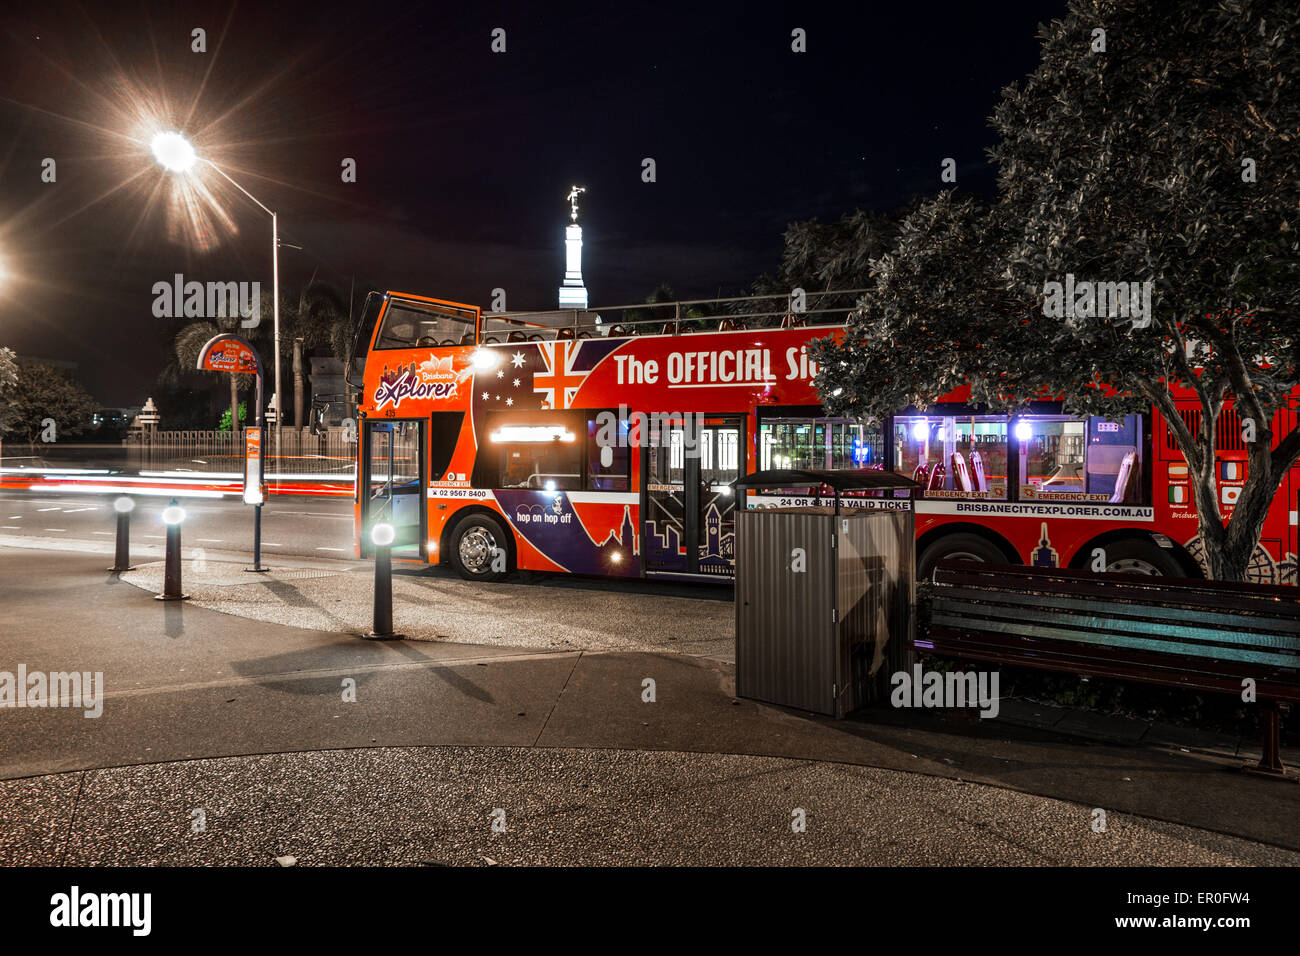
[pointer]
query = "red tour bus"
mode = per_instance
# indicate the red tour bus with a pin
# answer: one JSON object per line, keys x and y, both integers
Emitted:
{"x": 557, "y": 443}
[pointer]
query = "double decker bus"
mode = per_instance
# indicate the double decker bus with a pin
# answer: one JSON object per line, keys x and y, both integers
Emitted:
{"x": 560, "y": 442}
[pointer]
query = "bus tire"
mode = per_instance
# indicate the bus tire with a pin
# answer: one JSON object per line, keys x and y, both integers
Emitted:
{"x": 961, "y": 547}
{"x": 474, "y": 542}
{"x": 1140, "y": 556}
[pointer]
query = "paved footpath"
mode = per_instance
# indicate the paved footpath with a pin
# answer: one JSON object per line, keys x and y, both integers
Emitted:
{"x": 244, "y": 727}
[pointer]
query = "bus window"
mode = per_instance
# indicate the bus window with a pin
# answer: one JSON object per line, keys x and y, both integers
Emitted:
{"x": 854, "y": 446}
{"x": 407, "y": 326}
{"x": 540, "y": 453}
{"x": 953, "y": 456}
{"x": 837, "y": 443}
{"x": 788, "y": 443}
{"x": 616, "y": 475}
{"x": 1070, "y": 459}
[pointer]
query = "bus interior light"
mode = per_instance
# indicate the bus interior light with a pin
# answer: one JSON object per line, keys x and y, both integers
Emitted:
{"x": 1024, "y": 430}
{"x": 532, "y": 433}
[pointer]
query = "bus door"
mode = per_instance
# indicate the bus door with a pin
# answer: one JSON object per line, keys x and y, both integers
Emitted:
{"x": 688, "y": 508}
{"x": 393, "y": 479}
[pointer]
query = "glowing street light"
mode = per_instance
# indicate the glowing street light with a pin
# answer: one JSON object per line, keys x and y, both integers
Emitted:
{"x": 176, "y": 154}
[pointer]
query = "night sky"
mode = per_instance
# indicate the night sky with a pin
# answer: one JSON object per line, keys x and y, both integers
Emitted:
{"x": 464, "y": 156}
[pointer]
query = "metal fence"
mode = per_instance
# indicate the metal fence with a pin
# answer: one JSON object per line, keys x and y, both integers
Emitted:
{"x": 332, "y": 451}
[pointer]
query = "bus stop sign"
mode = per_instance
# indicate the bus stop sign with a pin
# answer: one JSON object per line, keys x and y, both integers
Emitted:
{"x": 252, "y": 466}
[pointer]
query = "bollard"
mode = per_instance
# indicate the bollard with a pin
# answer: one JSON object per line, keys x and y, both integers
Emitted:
{"x": 172, "y": 516}
{"x": 122, "y": 561}
{"x": 382, "y": 535}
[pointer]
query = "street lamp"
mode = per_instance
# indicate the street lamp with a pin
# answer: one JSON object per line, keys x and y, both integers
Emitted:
{"x": 176, "y": 154}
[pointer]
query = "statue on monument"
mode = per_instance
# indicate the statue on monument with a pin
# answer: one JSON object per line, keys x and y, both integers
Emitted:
{"x": 573, "y": 200}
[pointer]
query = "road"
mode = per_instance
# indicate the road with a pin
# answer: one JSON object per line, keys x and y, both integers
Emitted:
{"x": 300, "y": 527}
{"x": 312, "y": 527}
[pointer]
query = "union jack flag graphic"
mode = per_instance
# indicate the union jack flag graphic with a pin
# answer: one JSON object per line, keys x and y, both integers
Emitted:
{"x": 560, "y": 382}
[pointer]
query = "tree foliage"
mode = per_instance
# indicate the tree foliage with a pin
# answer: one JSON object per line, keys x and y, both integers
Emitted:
{"x": 44, "y": 393}
{"x": 1172, "y": 157}
{"x": 8, "y": 389}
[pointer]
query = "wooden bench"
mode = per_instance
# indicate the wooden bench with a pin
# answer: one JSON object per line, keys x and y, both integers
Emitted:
{"x": 1198, "y": 635}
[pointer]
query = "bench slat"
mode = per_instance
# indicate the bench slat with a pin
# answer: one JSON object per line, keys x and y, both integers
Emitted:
{"x": 1271, "y": 600}
{"x": 1012, "y": 647}
{"x": 1109, "y": 623}
{"x": 1237, "y": 622}
{"x": 958, "y": 644}
{"x": 1284, "y": 592}
{"x": 1107, "y": 638}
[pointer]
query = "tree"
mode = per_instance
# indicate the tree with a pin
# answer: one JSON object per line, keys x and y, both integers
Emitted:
{"x": 43, "y": 394}
{"x": 186, "y": 347}
{"x": 822, "y": 257}
{"x": 1125, "y": 165}
{"x": 8, "y": 390}
{"x": 316, "y": 318}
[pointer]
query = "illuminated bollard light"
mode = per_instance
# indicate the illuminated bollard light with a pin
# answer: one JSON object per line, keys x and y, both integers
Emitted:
{"x": 122, "y": 560}
{"x": 382, "y": 535}
{"x": 172, "y": 516}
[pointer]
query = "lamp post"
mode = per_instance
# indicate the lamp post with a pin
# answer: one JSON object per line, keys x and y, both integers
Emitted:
{"x": 175, "y": 154}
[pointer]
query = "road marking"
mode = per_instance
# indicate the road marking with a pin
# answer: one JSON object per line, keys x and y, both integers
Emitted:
{"x": 69, "y": 511}
{"x": 12, "y": 527}
{"x": 49, "y": 509}
{"x": 14, "y": 517}
{"x": 109, "y": 533}
{"x": 271, "y": 544}
{"x": 331, "y": 549}
{"x": 158, "y": 536}
{"x": 216, "y": 540}
{"x": 54, "y": 529}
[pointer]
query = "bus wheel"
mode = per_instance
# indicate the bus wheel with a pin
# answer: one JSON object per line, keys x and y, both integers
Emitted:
{"x": 1136, "y": 556}
{"x": 480, "y": 550}
{"x": 957, "y": 547}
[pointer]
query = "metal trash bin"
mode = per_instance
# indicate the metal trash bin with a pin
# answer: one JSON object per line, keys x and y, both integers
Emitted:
{"x": 825, "y": 593}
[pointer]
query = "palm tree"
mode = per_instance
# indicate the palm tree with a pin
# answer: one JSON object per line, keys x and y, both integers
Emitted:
{"x": 187, "y": 345}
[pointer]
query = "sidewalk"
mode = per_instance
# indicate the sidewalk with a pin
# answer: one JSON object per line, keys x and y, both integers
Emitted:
{"x": 186, "y": 684}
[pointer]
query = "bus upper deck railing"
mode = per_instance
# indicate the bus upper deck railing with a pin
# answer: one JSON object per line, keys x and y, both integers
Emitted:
{"x": 825, "y": 308}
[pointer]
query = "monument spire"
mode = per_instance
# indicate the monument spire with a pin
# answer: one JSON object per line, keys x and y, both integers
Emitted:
{"x": 573, "y": 294}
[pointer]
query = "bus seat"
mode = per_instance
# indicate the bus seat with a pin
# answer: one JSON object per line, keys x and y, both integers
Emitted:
{"x": 791, "y": 321}
{"x": 731, "y": 325}
{"x": 977, "y": 465}
{"x": 1121, "y": 480}
{"x": 937, "y": 475}
{"x": 921, "y": 475}
{"x": 670, "y": 328}
{"x": 427, "y": 341}
{"x": 467, "y": 338}
{"x": 959, "y": 472}
{"x": 586, "y": 334}
{"x": 492, "y": 340}
{"x": 534, "y": 337}
{"x": 516, "y": 336}
{"x": 564, "y": 334}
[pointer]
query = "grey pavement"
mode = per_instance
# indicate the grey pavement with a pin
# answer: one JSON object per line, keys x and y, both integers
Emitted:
{"x": 467, "y": 806}
{"x": 187, "y": 684}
